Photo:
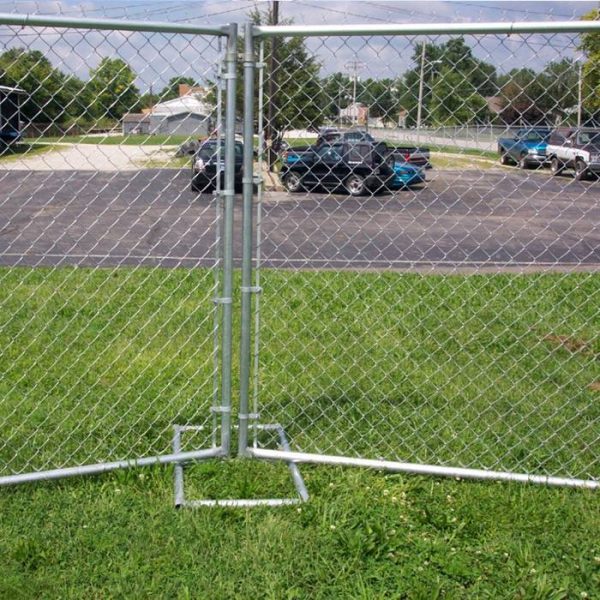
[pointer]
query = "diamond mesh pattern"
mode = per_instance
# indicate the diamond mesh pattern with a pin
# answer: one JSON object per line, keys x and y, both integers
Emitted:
{"x": 109, "y": 263}
{"x": 452, "y": 321}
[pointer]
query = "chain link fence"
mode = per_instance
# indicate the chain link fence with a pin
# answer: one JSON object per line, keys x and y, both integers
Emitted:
{"x": 427, "y": 245}
{"x": 418, "y": 263}
{"x": 112, "y": 270}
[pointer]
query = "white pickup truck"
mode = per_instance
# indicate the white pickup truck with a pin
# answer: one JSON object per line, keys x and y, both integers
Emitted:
{"x": 577, "y": 149}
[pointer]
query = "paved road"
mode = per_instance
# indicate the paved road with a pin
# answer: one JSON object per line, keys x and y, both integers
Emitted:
{"x": 499, "y": 219}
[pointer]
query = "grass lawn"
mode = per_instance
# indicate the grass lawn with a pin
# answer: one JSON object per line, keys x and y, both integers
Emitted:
{"x": 443, "y": 160}
{"x": 115, "y": 140}
{"x": 486, "y": 370}
{"x": 24, "y": 150}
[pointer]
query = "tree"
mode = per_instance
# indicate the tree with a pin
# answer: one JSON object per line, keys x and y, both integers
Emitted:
{"x": 452, "y": 56}
{"x": 337, "y": 90}
{"x": 381, "y": 96}
{"x": 590, "y": 44}
{"x": 522, "y": 92}
{"x": 112, "y": 88}
{"x": 52, "y": 96}
{"x": 455, "y": 100}
{"x": 171, "y": 90}
{"x": 559, "y": 81}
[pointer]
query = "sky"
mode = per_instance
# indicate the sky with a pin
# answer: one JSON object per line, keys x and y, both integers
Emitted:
{"x": 157, "y": 57}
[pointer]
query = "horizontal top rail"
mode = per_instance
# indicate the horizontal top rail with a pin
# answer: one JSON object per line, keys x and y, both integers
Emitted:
{"x": 427, "y": 28}
{"x": 28, "y": 20}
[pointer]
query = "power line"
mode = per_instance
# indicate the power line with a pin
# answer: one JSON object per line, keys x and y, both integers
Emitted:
{"x": 517, "y": 10}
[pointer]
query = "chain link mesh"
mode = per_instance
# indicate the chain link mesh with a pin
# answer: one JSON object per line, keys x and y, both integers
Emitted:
{"x": 109, "y": 262}
{"x": 445, "y": 315}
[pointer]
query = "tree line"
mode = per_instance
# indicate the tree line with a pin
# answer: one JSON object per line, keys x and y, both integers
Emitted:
{"x": 448, "y": 81}
{"x": 55, "y": 97}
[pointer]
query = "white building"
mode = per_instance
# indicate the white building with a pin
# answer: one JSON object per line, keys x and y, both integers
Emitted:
{"x": 189, "y": 114}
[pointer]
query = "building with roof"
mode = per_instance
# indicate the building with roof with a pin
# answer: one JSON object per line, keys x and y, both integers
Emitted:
{"x": 189, "y": 114}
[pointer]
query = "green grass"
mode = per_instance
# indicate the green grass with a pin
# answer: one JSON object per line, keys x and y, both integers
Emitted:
{"x": 464, "y": 151}
{"x": 486, "y": 370}
{"x": 127, "y": 140}
{"x": 24, "y": 150}
{"x": 441, "y": 160}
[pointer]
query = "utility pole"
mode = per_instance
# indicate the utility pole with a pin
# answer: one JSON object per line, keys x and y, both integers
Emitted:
{"x": 354, "y": 66}
{"x": 580, "y": 94}
{"x": 420, "y": 104}
{"x": 270, "y": 133}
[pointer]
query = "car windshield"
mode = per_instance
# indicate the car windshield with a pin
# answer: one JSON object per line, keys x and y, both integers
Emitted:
{"x": 208, "y": 152}
{"x": 589, "y": 137}
{"x": 536, "y": 135}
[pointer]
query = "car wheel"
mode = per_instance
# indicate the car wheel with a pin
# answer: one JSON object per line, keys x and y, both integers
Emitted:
{"x": 355, "y": 184}
{"x": 556, "y": 166}
{"x": 504, "y": 159}
{"x": 580, "y": 170}
{"x": 523, "y": 164}
{"x": 292, "y": 182}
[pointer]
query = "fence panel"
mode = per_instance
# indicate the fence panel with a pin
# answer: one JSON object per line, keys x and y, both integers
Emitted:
{"x": 443, "y": 316}
{"x": 112, "y": 271}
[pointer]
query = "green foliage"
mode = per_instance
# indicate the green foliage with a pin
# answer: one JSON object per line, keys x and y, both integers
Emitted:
{"x": 590, "y": 44}
{"x": 455, "y": 100}
{"x": 112, "y": 88}
{"x": 454, "y": 56}
{"x": 171, "y": 90}
{"x": 521, "y": 91}
{"x": 52, "y": 96}
{"x": 363, "y": 534}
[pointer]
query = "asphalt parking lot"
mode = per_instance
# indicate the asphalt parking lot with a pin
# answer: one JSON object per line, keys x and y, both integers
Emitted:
{"x": 498, "y": 219}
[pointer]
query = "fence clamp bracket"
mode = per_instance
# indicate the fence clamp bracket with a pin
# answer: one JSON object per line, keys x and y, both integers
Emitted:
{"x": 252, "y": 289}
{"x": 249, "y": 416}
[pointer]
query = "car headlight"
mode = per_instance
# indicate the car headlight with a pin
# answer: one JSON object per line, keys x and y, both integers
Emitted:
{"x": 595, "y": 157}
{"x": 198, "y": 165}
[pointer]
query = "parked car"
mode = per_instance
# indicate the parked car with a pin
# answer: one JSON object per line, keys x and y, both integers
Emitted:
{"x": 357, "y": 167}
{"x": 206, "y": 164}
{"x": 406, "y": 173}
{"x": 10, "y": 113}
{"x": 526, "y": 149}
{"x": 577, "y": 149}
{"x": 412, "y": 154}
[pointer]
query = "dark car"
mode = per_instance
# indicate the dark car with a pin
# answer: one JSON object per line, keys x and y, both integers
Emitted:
{"x": 331, "y": 136}
{"x": 356, "y": 167}
{"x": 526, "y": 149}
{"x": 209, "y": 160}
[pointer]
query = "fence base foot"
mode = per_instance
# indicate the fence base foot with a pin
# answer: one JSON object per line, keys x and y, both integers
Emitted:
{"x": 182, "y": 502}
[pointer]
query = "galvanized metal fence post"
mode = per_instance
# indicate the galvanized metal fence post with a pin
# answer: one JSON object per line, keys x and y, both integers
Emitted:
{"x": 247, "y": 224}
{"x": 228, "y": 196}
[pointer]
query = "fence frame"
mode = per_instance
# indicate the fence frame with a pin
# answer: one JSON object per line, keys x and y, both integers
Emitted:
{"x": 229, "y": 33}
{"x": 261, "y": 33}
{"x": 250, "y": 287}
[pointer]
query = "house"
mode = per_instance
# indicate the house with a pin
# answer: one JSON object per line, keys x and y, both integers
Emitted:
{"x": 189, "y": 114}
{"x": 10, "y": 114}
{"x": 136, "y": 123}
{"x": 354, "y": 114}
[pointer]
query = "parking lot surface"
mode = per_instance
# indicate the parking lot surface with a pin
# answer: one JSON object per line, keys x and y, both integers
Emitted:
{"x": 497, "y": 219}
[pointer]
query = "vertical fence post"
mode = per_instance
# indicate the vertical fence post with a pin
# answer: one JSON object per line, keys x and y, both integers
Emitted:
{"x": 247, "y": 289}
{"x": 228, "y": 196}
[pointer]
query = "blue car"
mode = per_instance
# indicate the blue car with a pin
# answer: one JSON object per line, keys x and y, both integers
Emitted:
{"x": 405, "y": 174}
{"x": 527, "y": 149}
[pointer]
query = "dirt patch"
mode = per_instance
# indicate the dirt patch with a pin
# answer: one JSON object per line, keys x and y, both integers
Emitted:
{"x": 88, "y": 157}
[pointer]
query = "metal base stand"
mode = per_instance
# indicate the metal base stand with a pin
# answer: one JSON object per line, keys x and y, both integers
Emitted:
{"x": 181, "y": 502}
